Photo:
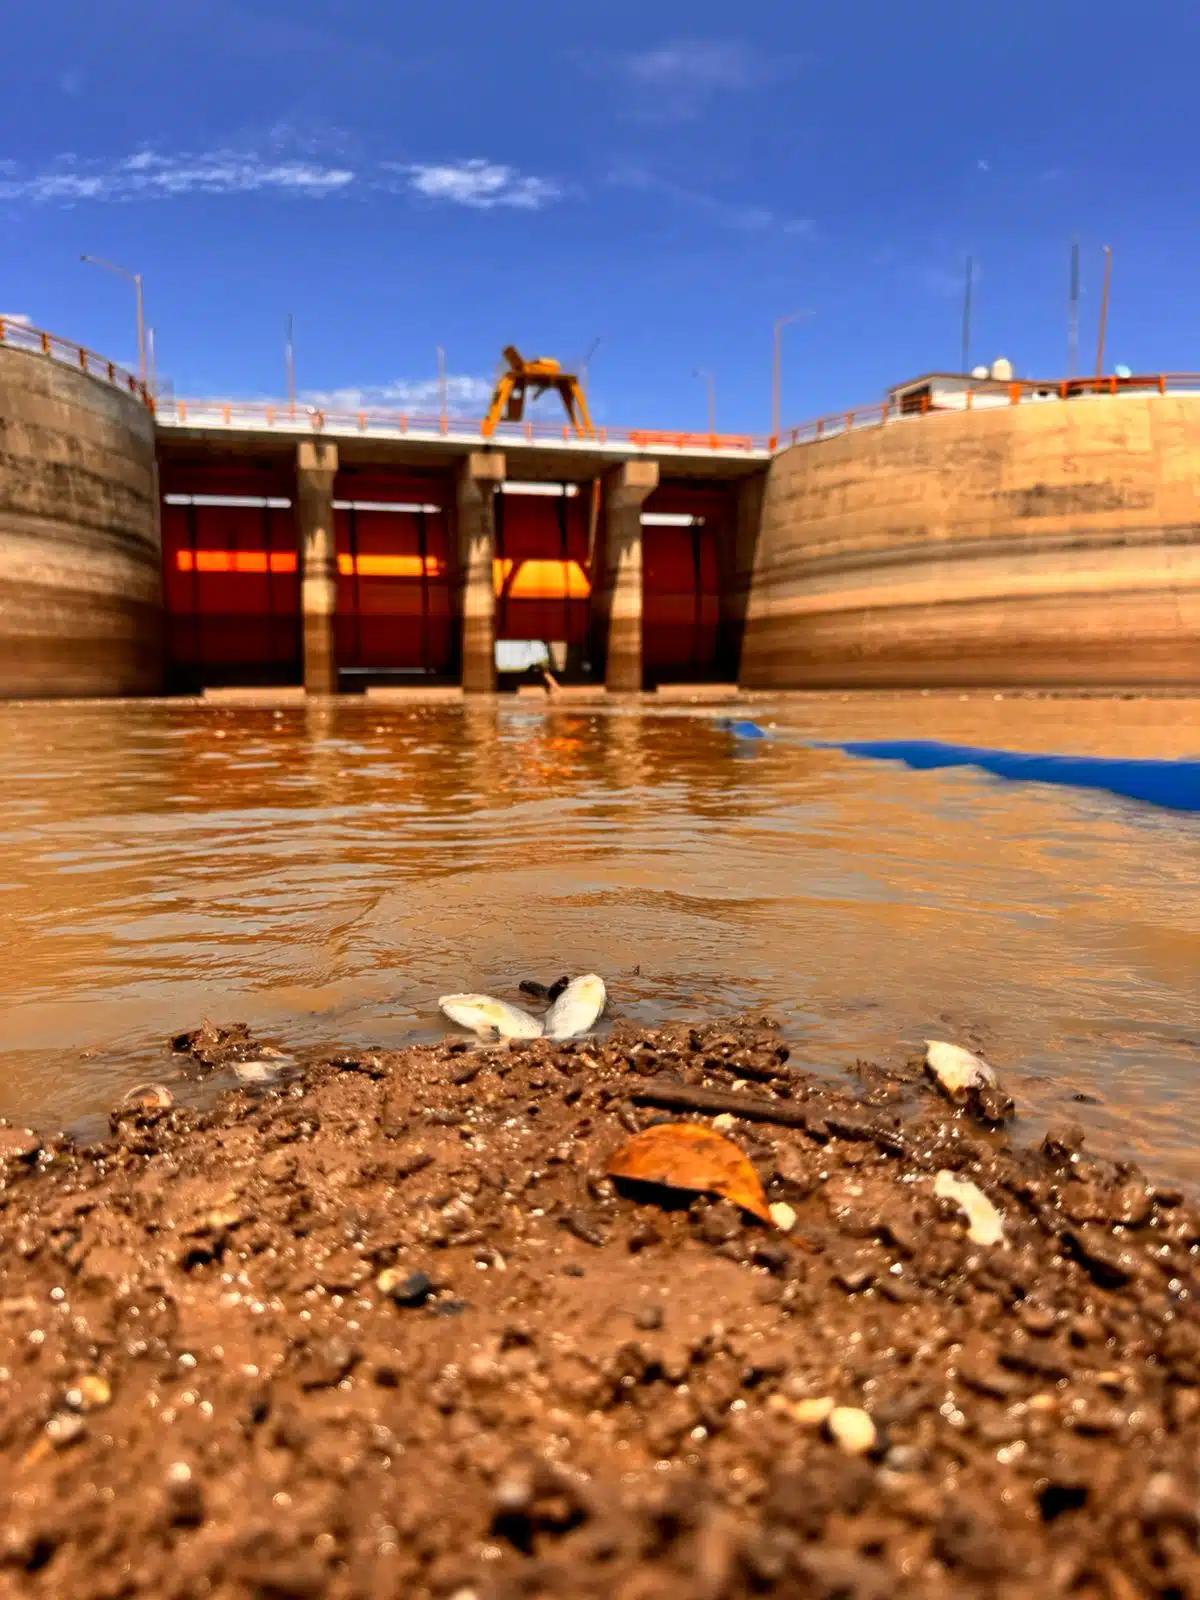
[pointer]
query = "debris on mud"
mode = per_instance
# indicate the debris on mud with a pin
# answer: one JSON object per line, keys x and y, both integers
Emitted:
{"x": 392, "y": 1328}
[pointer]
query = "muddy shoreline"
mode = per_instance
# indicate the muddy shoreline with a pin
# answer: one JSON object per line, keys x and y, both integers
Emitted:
{"x": 389, "y": 1328}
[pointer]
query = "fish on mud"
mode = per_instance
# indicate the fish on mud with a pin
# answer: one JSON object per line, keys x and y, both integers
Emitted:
{"x": 481, "y": 1014}
{"x": 955, "y": 1069}
{"x": 577, "y": 1007}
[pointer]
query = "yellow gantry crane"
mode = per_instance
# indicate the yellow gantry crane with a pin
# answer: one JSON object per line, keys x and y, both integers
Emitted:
{"x": 540, "y": 374}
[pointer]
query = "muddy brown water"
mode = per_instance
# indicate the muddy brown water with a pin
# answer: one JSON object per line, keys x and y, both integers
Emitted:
{"x": 324, "y": 872}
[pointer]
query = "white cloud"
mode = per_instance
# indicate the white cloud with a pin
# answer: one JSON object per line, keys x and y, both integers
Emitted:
{"x": 725, "y": 213}
{"x": 465, "y": 396}
{"x": 151, "y": 175}
{"x": 17, "y": 317}
{"x": 703, "y": 64}
{"x": 675, "y": 81}
{"x": 482, "y": 185}
{"x": 283, "y": 164}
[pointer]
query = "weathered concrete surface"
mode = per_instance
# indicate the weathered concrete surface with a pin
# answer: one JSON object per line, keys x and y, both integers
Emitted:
{"x": 1054, "y": 543}
{"x": 617, "y": 599}
{"x": 479, "y": 476}
{"x": 80, "y": 552}
{"x": 316, "y": 468}
{"x": 736, "y": 550}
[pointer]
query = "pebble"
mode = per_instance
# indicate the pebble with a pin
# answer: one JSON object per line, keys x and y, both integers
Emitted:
{"x": 405, "y": 1288}
{"x": 18, "y": 1144}
{"x": 810, "y": 1413}
{"x": 64, "y": 1429}
{"x": 725, "y": 1121}
{"x": 649, "y": 1318}
{"x": 852, "y": 1430}
{"x": 985, "y": 1225}
{"x": 89, "y": 1393}
{"x": 783, "y": 1216}
{"x": 956, "y": 1069}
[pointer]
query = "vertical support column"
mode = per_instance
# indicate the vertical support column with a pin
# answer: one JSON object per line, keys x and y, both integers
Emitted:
{"x": 478, "y": 478}
{"x": 316, "y": 466}
{"x": 735, "y": 564}
{"x": 620, "y": 614}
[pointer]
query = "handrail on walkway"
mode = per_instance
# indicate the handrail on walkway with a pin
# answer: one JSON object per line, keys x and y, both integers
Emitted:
{"x": 282, "y": 414}
{"x": 16, "y": 335}
{"x": 987, "y": 396}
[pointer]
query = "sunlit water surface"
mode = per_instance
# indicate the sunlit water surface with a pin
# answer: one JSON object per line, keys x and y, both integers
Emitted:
{"x": 324, "y": 872}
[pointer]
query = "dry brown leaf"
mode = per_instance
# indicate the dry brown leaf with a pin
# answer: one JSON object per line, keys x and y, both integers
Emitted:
{"x": 687, "y": 1155}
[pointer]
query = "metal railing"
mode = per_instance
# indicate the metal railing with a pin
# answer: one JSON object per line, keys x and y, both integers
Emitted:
{"x": 21, "y": 336}
{"x": 986, "y": 397}
{"x": 282, "y": 415}
{"x": 394, "y": 423}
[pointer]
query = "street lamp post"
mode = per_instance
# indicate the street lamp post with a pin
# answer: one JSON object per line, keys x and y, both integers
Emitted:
{"x": 136, "y": 279}
{"x": 780, "y": 325}
{"x": 702, "y": 372}
{"x": 586, "y": 363}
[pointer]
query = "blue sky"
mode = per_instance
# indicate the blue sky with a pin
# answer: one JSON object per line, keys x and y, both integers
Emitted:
{"x": 665, "y": 178}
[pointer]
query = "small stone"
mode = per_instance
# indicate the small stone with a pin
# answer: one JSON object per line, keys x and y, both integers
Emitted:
{"x": 649, "y": 1318}
{"x": 18, "y": 1144}
{"x": 64, "y": 1429}
{"x": 783, "y": 1216}
{"x": 405, "y": 1288}
{"x": 810, "y": 1413}
{"x": 89, "y": 1393}
{"x": 725, "y": 1121}
{"x": 852, "y": 1430}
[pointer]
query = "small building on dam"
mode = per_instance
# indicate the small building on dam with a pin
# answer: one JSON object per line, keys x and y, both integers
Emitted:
{"x": 996, "y": 534}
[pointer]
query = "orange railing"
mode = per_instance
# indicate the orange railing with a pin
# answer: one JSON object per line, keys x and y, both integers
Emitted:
{"x": 251, "y": 413}
{"x": 985, "y": 397}
{"x": 20, "y": 336}
{"x": 280, "y": 414}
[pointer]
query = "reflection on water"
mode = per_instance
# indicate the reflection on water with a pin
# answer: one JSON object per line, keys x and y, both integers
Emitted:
{"x": 325, "y": 871}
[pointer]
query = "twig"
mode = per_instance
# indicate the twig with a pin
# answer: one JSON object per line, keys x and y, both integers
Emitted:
{"x": 714, "y": 1102}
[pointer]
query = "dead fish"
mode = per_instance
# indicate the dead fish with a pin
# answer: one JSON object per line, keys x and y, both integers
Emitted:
{"x": 148, "y": 1097}
{"x": 985, "y": 1225}
{"x": 481, "y": 1014}
{"x": 956, "y": 1069}
{"x": 257, "y": 1071}
{"x": 576, "y": 1008}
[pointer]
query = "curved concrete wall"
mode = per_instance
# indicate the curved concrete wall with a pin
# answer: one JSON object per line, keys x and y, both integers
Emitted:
{"x": 80, "y": 562}
{"x": 1046, "y": 543}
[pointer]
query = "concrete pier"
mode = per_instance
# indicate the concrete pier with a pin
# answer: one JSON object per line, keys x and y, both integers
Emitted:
{"x": 479, "y": 476}
{"x": 316, "y": 467}
{"x": 618, "y": 598}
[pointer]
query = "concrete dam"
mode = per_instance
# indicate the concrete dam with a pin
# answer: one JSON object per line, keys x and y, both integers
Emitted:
{"x": 1018, "y": 535}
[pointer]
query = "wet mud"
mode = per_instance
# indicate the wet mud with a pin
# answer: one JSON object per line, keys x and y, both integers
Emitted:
{"x": 386, "y": 1326}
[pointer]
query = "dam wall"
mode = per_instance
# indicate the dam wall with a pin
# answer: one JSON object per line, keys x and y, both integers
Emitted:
{"x": 80, "y": 558}
{"x": 1051, "y": 543}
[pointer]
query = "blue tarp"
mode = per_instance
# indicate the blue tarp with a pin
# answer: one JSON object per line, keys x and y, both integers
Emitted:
{"x": 1172, "y": 784}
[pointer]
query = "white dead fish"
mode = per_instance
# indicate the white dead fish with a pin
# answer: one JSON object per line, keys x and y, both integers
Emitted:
{"x": 985, "y": 1225}
{"x": 576, "y": 1008}
{"x": 956, "y": 1069}
{"x": 257, "y": 1071}
{"x": 481, "y": 1014}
